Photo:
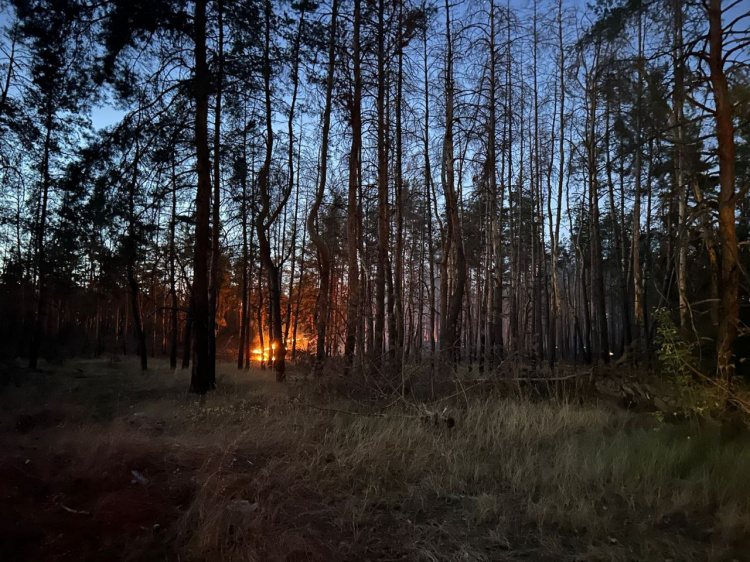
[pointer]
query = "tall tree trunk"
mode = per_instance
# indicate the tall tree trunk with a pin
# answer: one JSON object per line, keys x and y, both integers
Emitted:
{"x": 41, "y": 232}
{"x": 244, "y": 315}
{"x": 429, "y": 200}
{"x": 495, "y": 275}
{"x": 729, "y": 280}
{"x": 215, "y": 278}
{"x": 618, "y": 241}
{"x": 201, "y": 377}
{"x": 290, "y": 164}
{"x": 678, "y": 101}
{"x": 398, "y": 272}
{"x": 266, "y": 218}
{"x": 354, "y": 220}
{"x": 382, "y": 249}
{"x": 450, "y": 331}
{"x": 131, "y": 252}
{"x": 597, "y": 267}
{"x": 555, "y": 232}
{"x": 299, "y": 294}
{"x": 639, "y": 305}
{"x": 324, "y": 252}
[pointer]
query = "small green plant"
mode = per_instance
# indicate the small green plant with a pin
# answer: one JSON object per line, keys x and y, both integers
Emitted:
{"x": 675, "y": 354}
{"x": 679, "y": 363}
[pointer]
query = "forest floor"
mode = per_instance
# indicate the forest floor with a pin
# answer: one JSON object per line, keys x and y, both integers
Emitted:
{"x": 101, "y": 462}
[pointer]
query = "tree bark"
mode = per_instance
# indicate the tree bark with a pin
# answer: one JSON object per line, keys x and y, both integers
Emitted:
{"x": 266, "y": 218}
{"x": 729, "y": 279}
{"x": 638, "y": 285}
{"x": 450, "y": 341}
{"x": 131, "y": 253}
{"x": 215, "y": 278}
{"x": 354, "y": 220}
{"x": 382, "y": 246}
{"x": 324, "y": 252}
{"x": 41, "y": 231}
{"x": 201, "y": 376}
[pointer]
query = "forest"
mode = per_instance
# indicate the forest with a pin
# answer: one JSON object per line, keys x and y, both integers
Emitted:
{"x": 433, "y": 230}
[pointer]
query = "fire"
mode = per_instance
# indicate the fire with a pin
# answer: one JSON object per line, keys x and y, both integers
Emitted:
{"x": 264, "y": 354}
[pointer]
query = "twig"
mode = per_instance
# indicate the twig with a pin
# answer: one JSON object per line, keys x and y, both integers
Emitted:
{"x": 533, "y": 379}
{"x": 730, "y": 395}
{"x": 74, "y": 511}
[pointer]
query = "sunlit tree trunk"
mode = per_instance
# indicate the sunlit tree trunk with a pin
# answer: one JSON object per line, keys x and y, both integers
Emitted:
{"x": 729, "y": 280}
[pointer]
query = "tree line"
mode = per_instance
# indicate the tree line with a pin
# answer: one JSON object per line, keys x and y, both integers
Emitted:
{"x": 395, "y": 182}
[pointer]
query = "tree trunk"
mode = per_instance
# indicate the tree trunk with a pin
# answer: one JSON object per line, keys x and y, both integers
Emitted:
{"x": 450, "y": 330}
{"x": 729, "y": 279}
{"x": 354, "y": 220}
{"x": 244, "y": 316}
{"x": 638, "y": 285}
{"x": 382, "y": 249}
{"x": 290, "y": 163}
{"x": 266, "y": 218}
{"x": 398, "y": 272}
{"x": 678, "y": 100}
{"x": 215, "y": 279}
{"x": 187, "y": 344}
{"x": 201, "y": 376}
{"x": 41, "y": 231}
{"x": 324, "y": 253}
{"x": 597, "y": 273}
{"x": 131, "y": 253}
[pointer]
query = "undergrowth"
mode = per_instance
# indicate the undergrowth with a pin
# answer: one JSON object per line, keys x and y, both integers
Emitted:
{"x": 269, "y": 472}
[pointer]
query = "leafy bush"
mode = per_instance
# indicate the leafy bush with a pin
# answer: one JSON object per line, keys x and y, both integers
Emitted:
{"x": 674, "y": 353}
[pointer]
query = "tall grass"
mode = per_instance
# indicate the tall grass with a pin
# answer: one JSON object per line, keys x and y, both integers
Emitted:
{"x": 259, "y": 474}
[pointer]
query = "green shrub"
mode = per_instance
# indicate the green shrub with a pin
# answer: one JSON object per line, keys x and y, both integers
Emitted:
{"x": 674, "y": 353}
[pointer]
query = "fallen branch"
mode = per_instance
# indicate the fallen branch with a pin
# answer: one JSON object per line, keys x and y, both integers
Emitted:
{"x": 731, "y": 396}
{"x": 74, "y": 511}
{"x": 533, "y": 379}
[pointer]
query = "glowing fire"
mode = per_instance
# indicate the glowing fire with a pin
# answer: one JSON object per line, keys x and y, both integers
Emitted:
{"x": 266, "y": 354}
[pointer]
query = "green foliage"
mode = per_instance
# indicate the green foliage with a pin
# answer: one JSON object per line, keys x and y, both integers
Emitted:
{"x": 678, "y": 361}
{"x": 674, "y": 353}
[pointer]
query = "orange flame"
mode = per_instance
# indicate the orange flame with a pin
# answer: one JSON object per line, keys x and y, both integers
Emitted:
{"x": 263, "y": 354}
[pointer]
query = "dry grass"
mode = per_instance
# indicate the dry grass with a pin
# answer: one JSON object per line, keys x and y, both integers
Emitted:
{"x": 256, "y": 473}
